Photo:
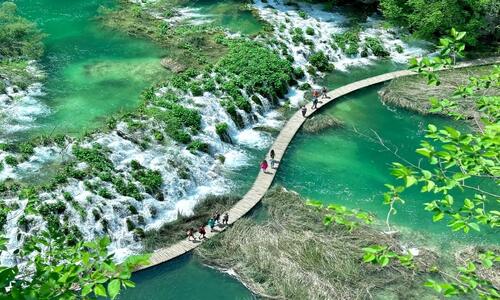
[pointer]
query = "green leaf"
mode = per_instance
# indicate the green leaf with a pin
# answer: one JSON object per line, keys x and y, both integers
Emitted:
{"x": 114, "y": 288}
{"x": 438, "y": 216}
{"x": 99, "y": 290}
{"x": 474, "y": 226}
{"x": 384, "y": 261}
{"x": 410, "y": 180}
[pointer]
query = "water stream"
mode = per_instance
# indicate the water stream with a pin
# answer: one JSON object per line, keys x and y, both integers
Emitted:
{"x": 93, "y": 72}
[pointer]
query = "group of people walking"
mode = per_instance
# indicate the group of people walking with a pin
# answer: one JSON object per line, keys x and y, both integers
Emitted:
{"x": 264, "y": 165}
{"x": 316, "y": 94}
{"x": 216, "y": 220}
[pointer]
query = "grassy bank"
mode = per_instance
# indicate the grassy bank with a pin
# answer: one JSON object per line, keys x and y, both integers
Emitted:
{"x": 413, "y": 92}
{"x": 175, "y": 231}
{"x": 292, "y": 255}
{"x": 20, "y": 42}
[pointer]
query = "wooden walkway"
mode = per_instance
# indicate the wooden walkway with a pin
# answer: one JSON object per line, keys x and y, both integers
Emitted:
{"x": 264, "y": 181}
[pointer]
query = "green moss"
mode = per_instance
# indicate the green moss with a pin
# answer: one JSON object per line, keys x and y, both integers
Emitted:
{"x": 150, "y": 179}
{"x": 376, "y": 46}
{"x": 198, "y": 146}
{"x": 95, "y": 157}
{"x": 320, "y": 61}
{"x": 348, "y": 41}
{"x": 11, "y": 160}
{"x": 105, "y": 193}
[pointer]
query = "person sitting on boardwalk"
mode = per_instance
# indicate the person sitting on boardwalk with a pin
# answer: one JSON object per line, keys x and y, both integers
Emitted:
{"x": 304, "y": 111}
{"x": 202, "y": 231}
{"x": 324, "y": 93}
{"x": 225, "y": 218}
{"x": 272, "y": 154}
{"x": 264, "y": 165}
{"x": 190, "y": 234}
{"x": 211, "y": 224}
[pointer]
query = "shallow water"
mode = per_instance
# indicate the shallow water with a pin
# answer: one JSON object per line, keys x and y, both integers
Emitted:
{"x": 230, "y": 14}
{"x": 353, "y": 168}
{"x": 92, "y": 72}
{"x": 185, "y": 278}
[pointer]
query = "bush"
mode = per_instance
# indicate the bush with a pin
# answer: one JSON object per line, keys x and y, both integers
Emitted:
{"x": 198, "y": 146}
{"x": 309, "y": 31}
{"x": 196, "y": 90}
{"x": 94, "y": 157}
{"x": 150, "y": 179}
{"x": 11, "y": 160}
{"x": 221, "y": 128}
{"x": 320, "y": 61}
{"x": 375, "y": 45}
{"x": 348, "y": 41}
{"x": 105, "y": 193}
{"x": 298, "y": 73}
{"x": 18, "y": 36}
{"x": 302, "y": 14}
{"x": 27, "y": 148}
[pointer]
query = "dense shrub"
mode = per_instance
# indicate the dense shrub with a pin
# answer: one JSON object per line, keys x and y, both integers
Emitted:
{"x": 150, "y": 179}
{"x": 433, "y": 19}
{"x": 376, "y": 46}
{"x": 18, "y": 36}
{"x": 320, "y": 61}
{"x": 11, "y": 160}
{"x": 198, "y": 146}
{"x": 95, "y": 157}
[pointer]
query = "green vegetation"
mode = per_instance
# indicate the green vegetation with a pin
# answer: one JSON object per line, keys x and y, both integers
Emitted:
{"x": 455, "y": 161}
{"x": 413, "y": 93}
{"x": 348, "y": 41}
{"x": 19, "y": 38}
{"x": 175, "y": 231}
{"x": 95, "y": 157}
{"x": 189, "y": 45}
{"x": 150, "y": 179}
{"x": 321, "y": 122}
{"x": 55, "y": 275}
{"x": 433, "y": 19}
{"x": 376, "y": 46}
{"x": 320, "y": 61}
{"x": 291, "y": 255}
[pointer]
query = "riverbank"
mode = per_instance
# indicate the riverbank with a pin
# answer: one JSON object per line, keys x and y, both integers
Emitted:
{"x": 414, "y": 93}
{"x": 292, "y": 255}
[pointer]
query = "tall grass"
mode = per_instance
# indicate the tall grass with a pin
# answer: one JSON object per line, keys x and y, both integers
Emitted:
{"x": 293, "y": 255}
{"x": 175, "y": 231}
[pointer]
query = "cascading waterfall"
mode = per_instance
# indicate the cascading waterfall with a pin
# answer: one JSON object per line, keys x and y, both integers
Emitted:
{"x": 187, "y": 176}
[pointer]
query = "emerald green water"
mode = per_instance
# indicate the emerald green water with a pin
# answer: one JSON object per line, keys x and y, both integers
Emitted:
{"x": 92, "y": 72}
{"x": 230, "y": 14}
{"x": 185, "y": 278}
{"x": 346, "y": 166}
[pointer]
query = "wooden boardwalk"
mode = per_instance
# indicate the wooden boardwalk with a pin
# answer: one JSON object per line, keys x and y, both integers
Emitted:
{"x": 264, "y": 181}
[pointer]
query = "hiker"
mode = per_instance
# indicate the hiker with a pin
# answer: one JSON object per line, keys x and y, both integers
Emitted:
{"x": 211, "y": 224}
{"x": 202, "y": 232}
{"x": 273, "y": 162}
{"x": 315, "y": 103}
{"x": 304, "y": 111}
{"x": 225, "y": 218}
{"x": 264, "y": 165}
{"x": 324, "y": 93}
{"x": 217, "y": 217}
{"x": 190, "y": 234}
{"x": 315, "y": 93}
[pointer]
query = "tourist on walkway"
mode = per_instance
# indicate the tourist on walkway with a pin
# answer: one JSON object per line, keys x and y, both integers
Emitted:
{"x": 273, "y": 162}
{"x": 324, "y": 93}
{"x": 304, "y": 111}
{"x": 225, "y": 218}
{"x": 264, "y": 165}
{"x": 211, "y": 224}
{"x": 202, "y": 231}
{"x": 315, "y": 103}
{"x": 190, "y": 234}
{"x": 217, "y": 217}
